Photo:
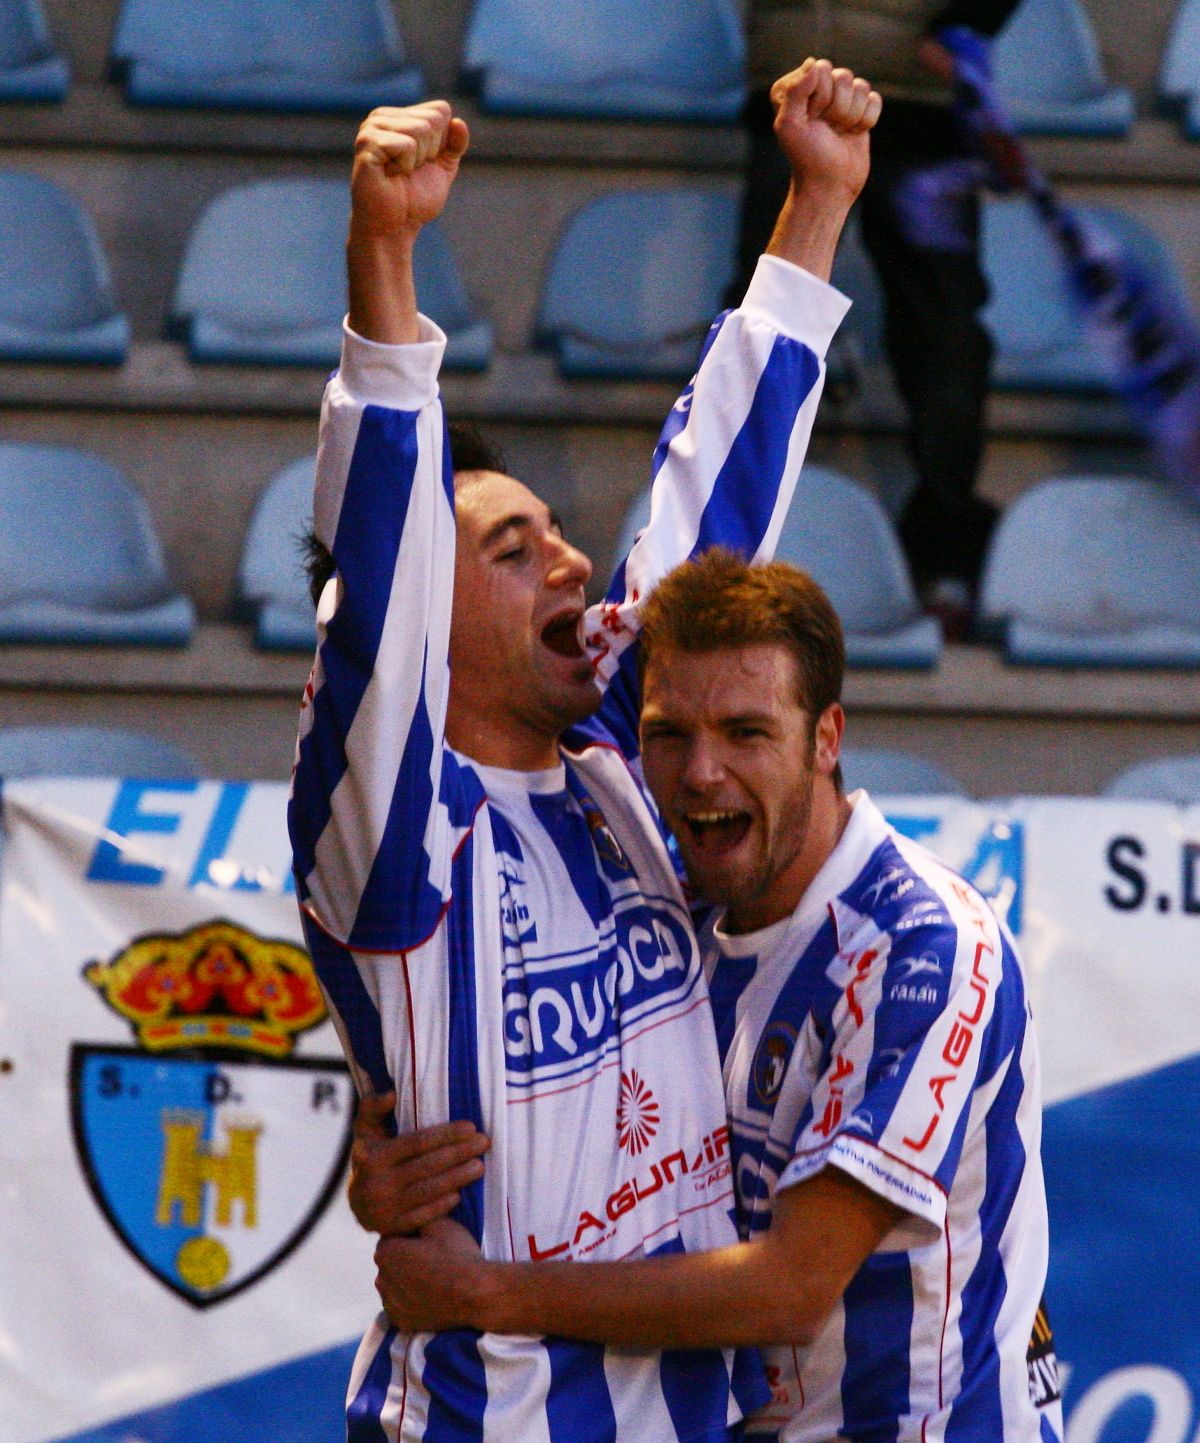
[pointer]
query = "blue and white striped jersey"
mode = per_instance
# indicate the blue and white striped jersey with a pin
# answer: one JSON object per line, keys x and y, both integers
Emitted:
{"x": 512, "y": 947}
{"x": 883, "y": 1028}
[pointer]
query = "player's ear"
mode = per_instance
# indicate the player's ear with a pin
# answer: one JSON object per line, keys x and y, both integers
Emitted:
{"x": 827, "y": 739}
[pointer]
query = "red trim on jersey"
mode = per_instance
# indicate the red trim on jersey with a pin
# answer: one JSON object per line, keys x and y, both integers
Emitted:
{"x": 674, "y": 1222}
{"x": 412, "y": 1039}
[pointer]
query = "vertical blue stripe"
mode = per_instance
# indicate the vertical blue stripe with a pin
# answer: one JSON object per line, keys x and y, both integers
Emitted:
{"x": 746, "y": 491}
{"x": 363, "y": 1410}
{"x": 572, "y": 840}
{"x": 977, "y": 1412}
{"x": 878, "y": 1313}
{"x": 749, "y": 1380}
{"x": 695, "y": 1386}
{"x": 578, "y": 1403}
{"x": 730, "y": 978}
{"x": 456, "y": 1382}
{"x": 677, "y": 418}
{"x": 370, "y": 524}
{"x": 399, "y": 906}
{"x": 462, "y": 1043}
{"x": 340, "y": 978}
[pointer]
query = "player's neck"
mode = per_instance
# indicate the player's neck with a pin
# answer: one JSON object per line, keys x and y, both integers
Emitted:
{"x": 494, "y": 742}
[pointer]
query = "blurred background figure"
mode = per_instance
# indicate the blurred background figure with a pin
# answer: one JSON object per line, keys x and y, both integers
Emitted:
{"x": 920, "y": 226}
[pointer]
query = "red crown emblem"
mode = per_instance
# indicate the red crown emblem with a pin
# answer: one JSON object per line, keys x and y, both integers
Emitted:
{"x": 213, "y": 986}
{"x": 637, "y": 1113}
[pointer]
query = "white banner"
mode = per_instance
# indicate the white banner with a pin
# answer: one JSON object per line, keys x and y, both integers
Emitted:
{"x": 175, "y": 1123}
{"x": 178, "y": 1261}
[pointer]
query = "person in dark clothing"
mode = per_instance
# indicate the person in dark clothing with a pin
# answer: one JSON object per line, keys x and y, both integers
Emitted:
{"x": 919, "y": 218}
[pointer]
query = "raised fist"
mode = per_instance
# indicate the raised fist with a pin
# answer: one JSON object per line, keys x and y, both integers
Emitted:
{"x": 823, "y": 116}
{"x": 405, "y": 161}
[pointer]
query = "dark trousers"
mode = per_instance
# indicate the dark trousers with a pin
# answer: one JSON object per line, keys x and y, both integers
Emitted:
{"x": 939, "y": 351}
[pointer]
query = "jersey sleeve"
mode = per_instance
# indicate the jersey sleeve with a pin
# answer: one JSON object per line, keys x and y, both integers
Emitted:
{"x": 370, "y": 830}
{"x": 726, "y": 463}
{"x": 893, "y": 1104}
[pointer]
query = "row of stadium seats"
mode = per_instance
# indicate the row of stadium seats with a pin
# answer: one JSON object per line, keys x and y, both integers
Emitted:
{"x": 634, "y": 281}
{"x": 606, "y": 58}
{"x": 1082, "y": 571}
{"x": 83, "y": 751}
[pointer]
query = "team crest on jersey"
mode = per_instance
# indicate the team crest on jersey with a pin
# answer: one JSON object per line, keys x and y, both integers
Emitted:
{"x": 603, "y": 837}
{"x": 208, "y": 1147}
{"x": 637, "y": 1114}
{"x": 771, "y": 1061}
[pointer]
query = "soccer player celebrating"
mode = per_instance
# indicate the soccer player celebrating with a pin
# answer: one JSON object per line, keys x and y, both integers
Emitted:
{"x": 881, "y": 1070}
{"x": 488, "y": 901}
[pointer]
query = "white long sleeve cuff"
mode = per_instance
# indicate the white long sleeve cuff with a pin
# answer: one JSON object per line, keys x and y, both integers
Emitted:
{"x": 796, "y": 302}
{"x": 402, "y": 377}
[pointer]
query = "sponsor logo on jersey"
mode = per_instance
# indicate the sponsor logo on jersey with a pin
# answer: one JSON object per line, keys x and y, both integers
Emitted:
{"x": 707, "y": 1167}
{"x": 637, "y": 1114}
{"x": 208, "y": 1147}
{"x": 771, "y": 1060}
{"x": 558, "y": 1015}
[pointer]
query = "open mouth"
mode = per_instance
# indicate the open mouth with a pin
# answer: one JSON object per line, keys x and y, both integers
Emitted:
{"x": 716, "y": 832}
{"x": 562, "y": 635}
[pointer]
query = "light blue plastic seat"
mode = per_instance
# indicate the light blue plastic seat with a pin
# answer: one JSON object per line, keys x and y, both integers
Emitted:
{"x": 1179, "y": 78}
{"x": 271, "y": 579}
{"x": 1096, "y": 571}
{"x": 245, "y": 297}
{"x": 675, "y": 60}
{"x": 295, "y": 55}
{"x": 84, "y": 751}
{"x": 896, "y": 774}
{"x": 635, "y": 281}
{"x": 1162, "y": 779}
{"x": 56, "y": 296}
{"x": 1050, "y": 76}
{"x": 31, "y": 68}
{"x": 838, "y": 532}
{"x": 1042, "y": 341}
{"x": 79, "y": 558}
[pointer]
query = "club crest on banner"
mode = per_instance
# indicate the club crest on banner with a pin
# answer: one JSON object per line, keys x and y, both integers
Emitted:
{"x": 209, "y": 1147}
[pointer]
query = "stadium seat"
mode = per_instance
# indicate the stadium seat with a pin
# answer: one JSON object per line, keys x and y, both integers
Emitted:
{"x": 57, "y": 301}
{"x": 1163, "y": 779}
{"x": 1096, "y": 571}
{"x": 1049, "y": 73}
{"x": 838, "y": 532}
{"x": 70, "y": 751}
{"x": 31, "y": 69}
{"x": 1179, "y": 78}
{"x": 243, "y": 298}
{"x": 79, "y": 559}
{"x": 1041, "y": 338}
{"x": 635, "y": 281}
{"x": 895, "y": 774}
{"x": 611, "y": 58}
{"x": 292, "y": 55}
{"x": 271, "y": 580}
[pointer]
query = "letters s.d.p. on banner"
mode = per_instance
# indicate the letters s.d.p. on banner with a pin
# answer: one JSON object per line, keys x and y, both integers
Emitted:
{"x": 179, "y": 1262}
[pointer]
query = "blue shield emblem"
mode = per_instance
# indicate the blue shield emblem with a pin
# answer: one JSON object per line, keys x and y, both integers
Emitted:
{"x": 210, "y": 1167}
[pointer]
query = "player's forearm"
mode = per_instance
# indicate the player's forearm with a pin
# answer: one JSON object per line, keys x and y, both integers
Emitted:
{"x": 809, "y": 227}
{"x": 383, "y": 294}
{"x": 733, "y": 1296}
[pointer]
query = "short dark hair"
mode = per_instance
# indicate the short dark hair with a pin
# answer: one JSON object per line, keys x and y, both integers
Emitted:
{"x": 719, "y": 600}
{"x": 470, "y": 450}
